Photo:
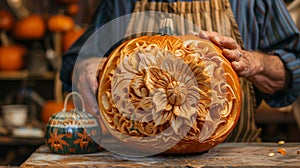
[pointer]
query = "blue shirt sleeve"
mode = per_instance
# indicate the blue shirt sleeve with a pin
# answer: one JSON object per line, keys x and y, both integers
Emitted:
{"x": 106, "y": 12}
{"x": 271, "y": 29}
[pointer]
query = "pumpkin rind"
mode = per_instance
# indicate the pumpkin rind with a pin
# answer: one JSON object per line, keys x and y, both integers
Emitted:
{"x": 169, "y": 88}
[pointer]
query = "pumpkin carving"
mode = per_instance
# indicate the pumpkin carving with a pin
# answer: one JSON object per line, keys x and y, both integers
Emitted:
{"x": 168, "y": 94}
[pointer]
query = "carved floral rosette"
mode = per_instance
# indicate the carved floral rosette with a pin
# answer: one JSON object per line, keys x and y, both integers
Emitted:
{"x": 172, "y": 92}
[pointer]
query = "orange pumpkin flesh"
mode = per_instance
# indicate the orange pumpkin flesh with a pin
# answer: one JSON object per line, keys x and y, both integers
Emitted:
{"x": 151, "y": 82}
{"x": 12, "y": 57}
{"x": 30, "y": 28}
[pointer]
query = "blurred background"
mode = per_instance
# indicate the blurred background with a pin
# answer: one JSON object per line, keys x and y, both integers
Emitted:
{"x": 34, "y": 34}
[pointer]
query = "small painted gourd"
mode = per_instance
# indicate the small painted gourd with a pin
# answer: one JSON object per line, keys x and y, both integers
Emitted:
{"x": 168, "y": 94}
{"x": 74, "y": 131}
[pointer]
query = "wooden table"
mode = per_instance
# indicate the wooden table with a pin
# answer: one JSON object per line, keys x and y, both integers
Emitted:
{"x": 224, "y": 155}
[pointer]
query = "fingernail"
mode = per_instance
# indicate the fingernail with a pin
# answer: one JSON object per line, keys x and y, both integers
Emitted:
{"x": 193, "y": 33}
{"x": 235, "y": 64}
{"x": 94, "y": 89}
{"x": 215, "y": 39}
{"x": 202, "y": 34}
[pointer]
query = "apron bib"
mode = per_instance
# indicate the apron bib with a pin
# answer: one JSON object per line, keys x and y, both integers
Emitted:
{"x": 212, "y": 15}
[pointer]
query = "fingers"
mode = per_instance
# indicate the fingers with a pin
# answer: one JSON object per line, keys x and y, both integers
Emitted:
{"x": 89, "y": 94}
{"x": 239, "y": 67}
{"x": 201, "y": 34}
{"x": 91, "y": 79}
{"x": 216, "y": 38}
{"x": 87, "y": 83}
{"x": 232, "y": 55}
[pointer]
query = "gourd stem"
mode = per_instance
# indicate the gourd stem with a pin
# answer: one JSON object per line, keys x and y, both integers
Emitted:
{"x": 166, "y": 27}
{"x": 68, "y": 96}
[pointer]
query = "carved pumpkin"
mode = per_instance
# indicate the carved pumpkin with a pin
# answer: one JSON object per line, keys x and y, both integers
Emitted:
{"x": 30, "y": 28}
{"x": 176, "y": 93}
{"x": 74, "y": 131}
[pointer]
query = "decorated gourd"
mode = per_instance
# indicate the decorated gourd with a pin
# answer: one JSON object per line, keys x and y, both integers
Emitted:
{"x": 74, "y": 131}
{"x": 168, "y": 94}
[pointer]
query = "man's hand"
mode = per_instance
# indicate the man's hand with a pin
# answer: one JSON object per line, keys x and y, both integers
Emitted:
{"x": 265, "y": 71}
{"x": 85, "y": 80}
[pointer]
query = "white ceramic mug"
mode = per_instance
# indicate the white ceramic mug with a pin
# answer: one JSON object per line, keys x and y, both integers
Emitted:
{"x": 15, "y": 115}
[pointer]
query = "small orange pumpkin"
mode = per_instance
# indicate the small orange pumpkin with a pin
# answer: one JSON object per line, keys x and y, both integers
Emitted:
{"x": 12, "y": 57}
{"x": 73, "y": 9}
{"x": 30, "y": 28}
{"x": 6, "y": 20}
{"x": 60, "y": 23}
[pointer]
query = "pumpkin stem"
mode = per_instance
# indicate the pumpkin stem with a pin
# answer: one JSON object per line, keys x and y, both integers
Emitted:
{"x": 4, "y": 39}
{"x": 166, "y": 27}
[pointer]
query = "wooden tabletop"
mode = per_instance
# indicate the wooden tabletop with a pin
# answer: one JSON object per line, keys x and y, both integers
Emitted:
{"x": 224, "y": 155}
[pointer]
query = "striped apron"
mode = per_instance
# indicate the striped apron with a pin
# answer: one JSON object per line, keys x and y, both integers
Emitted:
{"x": 209, "y": 15}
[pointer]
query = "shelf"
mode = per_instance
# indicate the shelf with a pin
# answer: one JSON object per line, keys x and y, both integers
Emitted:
{"x": 25, "y": 74}
{"x": 13, "y": 141}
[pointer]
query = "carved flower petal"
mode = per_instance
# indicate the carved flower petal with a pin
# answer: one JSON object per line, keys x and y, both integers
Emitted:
{"x": 187, "y": 111}
{"x": 161, "y": 117}
{"x": 146, "y": 60}
{"x": 138, "y": 86}
{"x": 176, "y": 124}
{"x": 160, "y": 99}
{"x": 156, "y": 78}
